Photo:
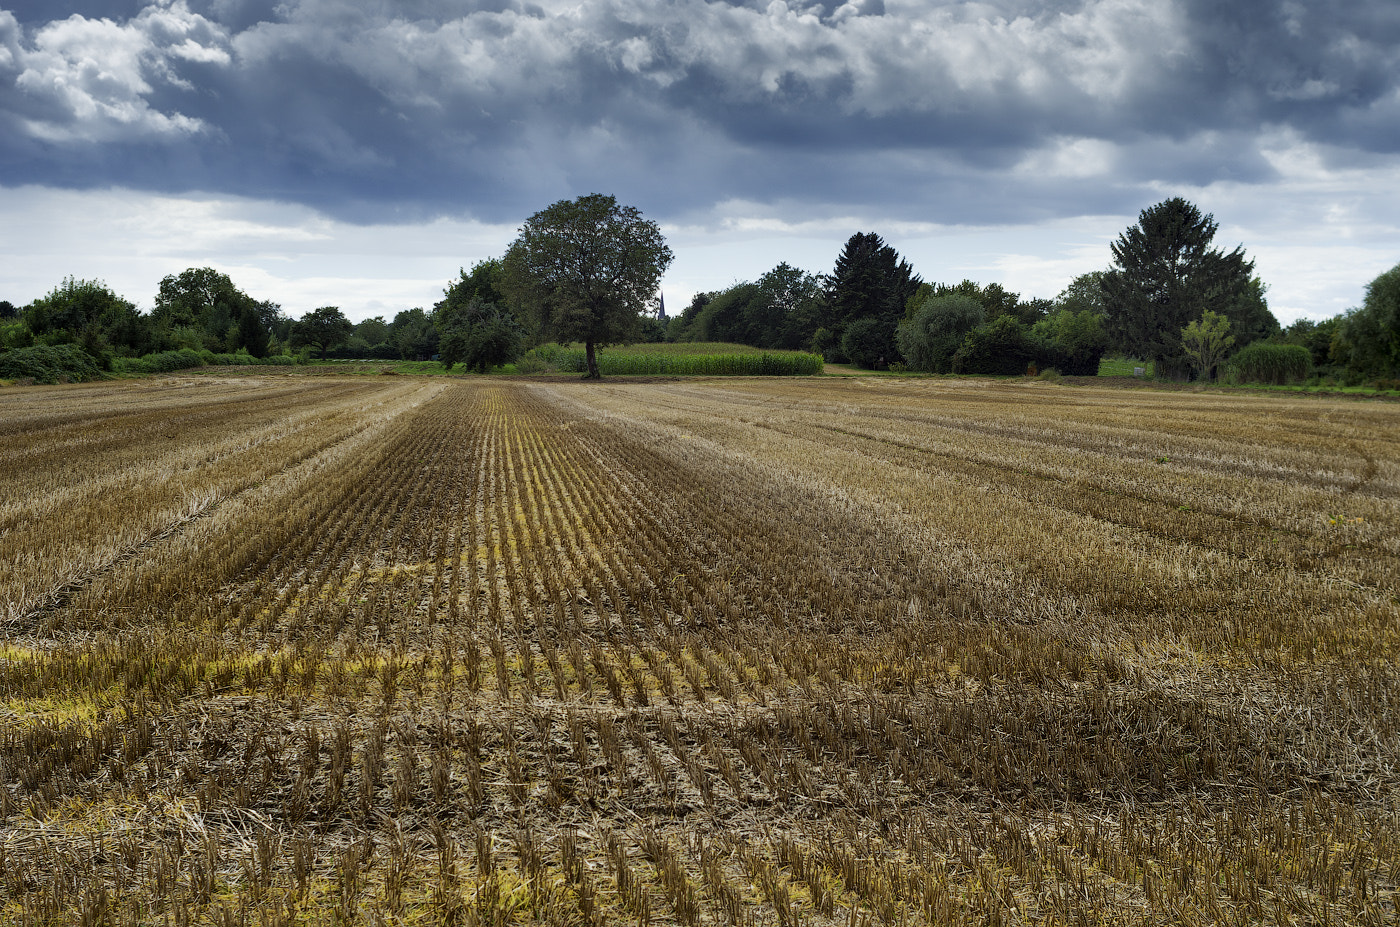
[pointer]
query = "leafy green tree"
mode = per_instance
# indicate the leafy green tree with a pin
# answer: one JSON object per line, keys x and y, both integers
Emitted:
{"x": 89, "y": 313}
{"x": 1079, "y": 337}
{"x": 587, "y": 269}
{"x": 8, "y": 310}
{"x": 1206, "y": 342}
{"x": 1002, "y": 346}
{"x": 727, "y": 316}
{"x": 373, "y": 330}
{"x": 1370, "y": 334}
{"x": 479, "y": 335}
{"x": 932, "y": 333}
{"x": 413, "y": 334}
{"x": 206, "y": 299}
{"x": 322, "y": 329}
{"x": 683, "y": 328}
{"x": 1084, "y": 294}
{"x": 787, "y": 310}
{"x": 1249, "y": 315}
{"x": 869, "y": 281}
{"x": 866, "y": 343}
{"x": 14, "y": 333}
{"x": 1317, "y": 337}
{"x": 483, "y": 281}
{"x": 1165, "y": 274}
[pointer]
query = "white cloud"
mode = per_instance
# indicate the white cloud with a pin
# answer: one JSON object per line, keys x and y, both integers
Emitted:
{"x": 93, "y": 78}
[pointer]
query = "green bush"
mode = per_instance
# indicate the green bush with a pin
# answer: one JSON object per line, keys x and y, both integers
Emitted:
{"x": 43, "y": 363}
{"x": 930, "y": 337}
{"x": 572, "y": 360}
{"x": 163, "y": 361}
{"x": 1270, "y": 363}
{"x": 1004, "y": 346}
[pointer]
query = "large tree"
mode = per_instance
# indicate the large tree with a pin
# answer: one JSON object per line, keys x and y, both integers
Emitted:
{"x": 322, "y": 329}
{"x": 587, "y": 269}
{"x": 206, "y": 300}
{"x": 869, "y": 281}
{"x": 478, "y": 334}
{"x": 90, "y": 313}
{"x": 1370, "y": 334}
{"x": 1165, "y": 274}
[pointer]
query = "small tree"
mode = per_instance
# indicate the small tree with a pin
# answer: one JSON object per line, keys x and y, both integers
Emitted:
{"x": 1206, "y": 341}
{"x": 322, "y": 329}
{"x": 587, "y": 269}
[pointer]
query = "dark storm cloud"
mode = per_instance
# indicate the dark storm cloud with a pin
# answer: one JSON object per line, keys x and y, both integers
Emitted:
{"x": 958, "y": 112}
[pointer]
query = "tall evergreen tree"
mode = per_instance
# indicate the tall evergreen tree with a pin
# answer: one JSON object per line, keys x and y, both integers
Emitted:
{"x": 870, "y": 281}
{"x": 1165, "y": 274}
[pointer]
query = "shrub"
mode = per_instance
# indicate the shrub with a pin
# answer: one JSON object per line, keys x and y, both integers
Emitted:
{"x": 1079, "y": 336}
{"x": 571, "y": 360}
{"x": 43, "y": 363}
{"x": 868, "y": 343}
{"x": 930, "y": 337}
{"x": 1270, "y": 363}
{"x": 1003, "y": 346}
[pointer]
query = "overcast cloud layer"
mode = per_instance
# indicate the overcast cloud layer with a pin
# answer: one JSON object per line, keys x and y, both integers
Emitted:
{"x": 707, "y": 112}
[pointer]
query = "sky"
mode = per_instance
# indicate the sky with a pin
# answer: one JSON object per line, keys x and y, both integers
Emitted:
{"x": 358, "y": 153}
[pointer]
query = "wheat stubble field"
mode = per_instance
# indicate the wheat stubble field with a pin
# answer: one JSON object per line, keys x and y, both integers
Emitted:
{"x": 827, "y": 652}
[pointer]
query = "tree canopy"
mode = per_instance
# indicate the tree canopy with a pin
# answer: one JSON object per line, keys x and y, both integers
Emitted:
{"x": 587, "y": 269}
{"x": 322, "y": 329}
{"x": 1165, "y": 274}
{"x": 201, "y": 308}
{"x": 870, "y": 281}
{"x": 1370, "y": 334}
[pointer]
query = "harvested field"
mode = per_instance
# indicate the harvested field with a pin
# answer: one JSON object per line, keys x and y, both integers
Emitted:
{"x": 831, "y": 652}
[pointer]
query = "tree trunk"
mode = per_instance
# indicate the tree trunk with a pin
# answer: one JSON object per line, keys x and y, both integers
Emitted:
{"x": 593, "y": 372}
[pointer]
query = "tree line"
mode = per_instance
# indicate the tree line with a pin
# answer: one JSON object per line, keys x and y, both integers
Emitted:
{"x": 1169, "y": 298}
{"x": 588, "y": 270}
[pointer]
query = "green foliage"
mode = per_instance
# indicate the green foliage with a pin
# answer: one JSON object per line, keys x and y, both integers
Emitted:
{"x": 413, "y": 335}
{"x": 1206, "y": 342}
{"x": 659, "y": 363}
{"x": 1370, "y": 335}
{"x": 868, "y": 342}
{"x": 869, "y": 281}
{"x": 373, "y": 330}
{"x": 586, "y": 270}
{"x": 479, "y": 335}
{"x": 932, "y": 333}
{"x": 204, "y": 300}
{"x": 1084, "y": 294}
{"x": 1316, "y": 337}
{"x": 162, "y": 362}
{"x": 725, "y": 316}
{"x": 1079, "y": 337}
{"x": 1003, "y": 346}
{"x": 322, "y": 328}
{"x": 43, "y": 363}
{"x": 1271, "y": 364}
{"x": 1165, "y": 274}
{"x": 88, "y": 312}
{"x": 15, "y": 333}
{"x": 683, "y": 328}
{"x": 482, "y": 282}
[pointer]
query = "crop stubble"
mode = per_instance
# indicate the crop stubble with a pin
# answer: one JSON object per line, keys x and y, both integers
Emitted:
{"x": 755, "y": 651}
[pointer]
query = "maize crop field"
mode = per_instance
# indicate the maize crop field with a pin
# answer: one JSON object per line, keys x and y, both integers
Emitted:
{"x": 791, "y": 653}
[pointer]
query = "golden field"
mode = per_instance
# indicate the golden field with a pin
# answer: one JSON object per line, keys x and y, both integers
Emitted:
{"x": 846, "y": 652}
